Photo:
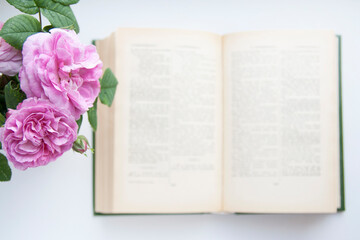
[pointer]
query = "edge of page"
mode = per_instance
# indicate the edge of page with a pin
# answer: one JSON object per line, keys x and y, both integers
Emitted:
{"x": 93, "y": 42}
{"x": 93, "y": 174}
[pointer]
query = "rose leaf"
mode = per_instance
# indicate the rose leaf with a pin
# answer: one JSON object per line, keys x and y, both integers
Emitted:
{"x": 13, "y": 96}
{"x": 67, "y": 2}
{"x": 25, "y": 6}
{"x": 108, "y": 87}
{"x": 2, "y": 119}
{"x": 79, "y": 121}
{"x": 5, "y": 170}
{"x": 47, "y": 28}
{"x": 92, "y": 116}
{"x": 18, "y": 28}
{"x": 59, "y": 15}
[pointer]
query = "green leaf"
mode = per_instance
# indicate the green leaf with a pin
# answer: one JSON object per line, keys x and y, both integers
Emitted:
{"x": 2, "y": 119}
{"x": 47, "y": 28}
{"x": 18, "y": 28}
{"x": 3, "y": 108}
{"x": 58, "y": 15}
{"x": 92, "y": 115}
{"x": 2, "y": 122}
{"x": 25, "y": 6}
{"x": 13, "y": 96}
{"x": 79, "y": 121}
{"x": 67, "y": 2}
{"x": 5, "y": 170}
{"x": 108, "y": 87}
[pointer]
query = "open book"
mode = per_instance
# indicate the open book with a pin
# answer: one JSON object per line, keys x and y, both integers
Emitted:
{"x": 245, "y": 122}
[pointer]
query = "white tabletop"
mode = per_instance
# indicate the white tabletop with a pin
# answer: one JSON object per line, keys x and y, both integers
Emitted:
{"x": 55, "y": 202}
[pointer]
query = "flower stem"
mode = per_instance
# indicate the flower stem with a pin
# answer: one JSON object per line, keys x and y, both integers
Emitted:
{"x": 40, "y": 19}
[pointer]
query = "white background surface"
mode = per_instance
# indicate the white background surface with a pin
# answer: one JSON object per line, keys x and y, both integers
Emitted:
{"x": 55, "y": 202}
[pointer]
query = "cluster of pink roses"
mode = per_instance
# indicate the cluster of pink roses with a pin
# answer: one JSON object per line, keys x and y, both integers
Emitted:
{"x": 60, "y": 77}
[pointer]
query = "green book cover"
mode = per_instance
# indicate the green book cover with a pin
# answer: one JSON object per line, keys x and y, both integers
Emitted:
{"x": 341, "y": 143}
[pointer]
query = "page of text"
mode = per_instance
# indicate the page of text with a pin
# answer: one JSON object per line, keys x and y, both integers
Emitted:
{"x": 281, "y": 122}
{"x": 169, "y": 124}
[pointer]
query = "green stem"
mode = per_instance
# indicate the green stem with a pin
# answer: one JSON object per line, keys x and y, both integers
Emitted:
{"x": 40, "y": 19}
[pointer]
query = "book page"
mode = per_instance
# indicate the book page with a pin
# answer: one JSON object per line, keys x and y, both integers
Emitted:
{"x": 104, "y": 154}
{"x": 167, "y": 122}
{"x": 281, "y": 122}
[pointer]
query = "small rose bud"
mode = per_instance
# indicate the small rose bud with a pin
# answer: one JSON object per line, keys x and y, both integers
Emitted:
{"x": 81, "y": 145}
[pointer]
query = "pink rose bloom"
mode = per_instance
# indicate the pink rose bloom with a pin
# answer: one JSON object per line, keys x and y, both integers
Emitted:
{"x": 36, "y": 133}
{"x": 56, "y": 66}
{"x": 10, "y": 58}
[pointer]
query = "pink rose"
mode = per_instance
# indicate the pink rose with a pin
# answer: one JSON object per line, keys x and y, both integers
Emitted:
{"x": 10, "y": 58}
{"x": 36, "y": 133}
{"x": 56, "y": 66}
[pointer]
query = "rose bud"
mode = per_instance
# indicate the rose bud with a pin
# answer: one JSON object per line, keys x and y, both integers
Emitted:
{"x": 81, "y": 144}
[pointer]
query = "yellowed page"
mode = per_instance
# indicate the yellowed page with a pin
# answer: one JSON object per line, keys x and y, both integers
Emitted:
{"x": 281, "y": 122}
{"x": 168, "y": 122}
{"x": 104, "y": 153}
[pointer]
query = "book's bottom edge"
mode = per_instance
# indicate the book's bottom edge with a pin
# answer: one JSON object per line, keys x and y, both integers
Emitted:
{"x": 221, "y": 213}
